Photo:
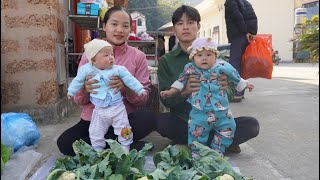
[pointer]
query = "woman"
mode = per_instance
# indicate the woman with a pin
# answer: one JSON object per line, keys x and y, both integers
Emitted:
{"x": 117, "y": 26}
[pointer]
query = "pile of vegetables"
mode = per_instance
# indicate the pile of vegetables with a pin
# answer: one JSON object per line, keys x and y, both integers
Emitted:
{"x": 174, "y": 163}
{"x": 5, "y": 155}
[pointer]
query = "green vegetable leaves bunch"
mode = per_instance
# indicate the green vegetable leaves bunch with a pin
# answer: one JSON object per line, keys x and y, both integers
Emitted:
{"x": 5, "y": 155}
{"x": 173, "y": 163}
{"x": 176, "y": 163}
{"x": 109, "y": 164}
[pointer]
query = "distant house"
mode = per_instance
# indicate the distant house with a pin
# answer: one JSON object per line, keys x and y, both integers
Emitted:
{"x": 312, "y": 7}
{"x": 138, "y": 23}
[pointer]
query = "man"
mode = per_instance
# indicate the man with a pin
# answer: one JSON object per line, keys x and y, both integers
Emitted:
{"x": 242, "y": 26}
{"x": 174, "y": 124}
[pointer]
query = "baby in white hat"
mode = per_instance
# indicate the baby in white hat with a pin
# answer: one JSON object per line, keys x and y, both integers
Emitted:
{"x": 210, "y": 106}
{"x": 109, "y": 108}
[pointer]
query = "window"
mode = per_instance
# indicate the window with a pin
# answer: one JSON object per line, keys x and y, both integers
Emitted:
{"x": 309, "y": 5}
{"x": 215, "y": 34}
{"x": 139, "y": 22}
{"x": 209, "y": 33}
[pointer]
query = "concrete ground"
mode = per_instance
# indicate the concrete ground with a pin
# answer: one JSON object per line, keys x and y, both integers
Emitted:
{"x": 287, "y": 108}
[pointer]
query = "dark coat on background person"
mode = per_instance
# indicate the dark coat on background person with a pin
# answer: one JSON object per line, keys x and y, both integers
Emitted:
{"x": 240, "y": 18}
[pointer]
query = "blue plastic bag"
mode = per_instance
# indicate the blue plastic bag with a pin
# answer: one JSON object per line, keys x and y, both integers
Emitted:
{"x": 17, "y": 130}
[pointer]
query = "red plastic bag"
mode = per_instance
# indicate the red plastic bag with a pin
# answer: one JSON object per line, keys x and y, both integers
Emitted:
{"x": 257, "y": 60}
{"x": 267, "y": 38}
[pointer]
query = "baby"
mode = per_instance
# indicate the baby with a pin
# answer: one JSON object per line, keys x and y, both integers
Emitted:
{"x": 109, "y": 108}
{"x": 210, "y": 106}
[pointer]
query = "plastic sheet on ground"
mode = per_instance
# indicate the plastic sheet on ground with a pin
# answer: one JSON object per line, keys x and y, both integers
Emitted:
{"x": 236, "y": 168}
{"x": 20, "y": 164}
{"x": 43, "y": 171}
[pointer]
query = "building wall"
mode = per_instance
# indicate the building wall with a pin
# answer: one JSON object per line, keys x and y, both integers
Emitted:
{"x": 30, "y": 31}
{"x": 136, "y": 16}
{"x": 279, "y": 23}
{"x": 274, "y": 17}
{"x": 212, "y": 15}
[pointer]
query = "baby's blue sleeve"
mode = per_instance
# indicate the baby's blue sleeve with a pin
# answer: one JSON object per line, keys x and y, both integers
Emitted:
{"x": 181, "y": 82}
{"x": 78, "y": 82}
{"x": 233, "y": 75}
{"x": 130, "y": 81}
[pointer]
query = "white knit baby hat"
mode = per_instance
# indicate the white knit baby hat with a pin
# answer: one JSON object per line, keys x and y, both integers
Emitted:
{"x": 200, "y": 44}
{"x": 93, "y": 47}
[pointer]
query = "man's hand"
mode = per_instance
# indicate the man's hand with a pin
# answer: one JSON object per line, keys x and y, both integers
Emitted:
{"x": 88, "y": 85}
{"x": 193, "y": 85}
{"x": 251, "y": 37}
{"x": 165, "y": 94}
{"x": 223, "y": 81}
{"x": 117, "y": 83}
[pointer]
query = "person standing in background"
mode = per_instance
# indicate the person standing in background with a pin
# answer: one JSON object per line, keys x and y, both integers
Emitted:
{"x": 242, "y": 27}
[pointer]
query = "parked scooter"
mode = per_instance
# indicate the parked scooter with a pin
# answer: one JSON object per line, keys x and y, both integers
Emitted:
{"x": 275, "y": 57}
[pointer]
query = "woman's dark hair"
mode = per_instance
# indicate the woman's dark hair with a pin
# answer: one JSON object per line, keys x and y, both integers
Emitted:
{"x": 191, "y": 12}
{"x": 115, "y": 9}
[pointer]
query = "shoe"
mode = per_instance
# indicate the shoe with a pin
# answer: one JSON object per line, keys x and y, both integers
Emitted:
{"x": 233, "y": 149}
{"x": 138, "y": 145}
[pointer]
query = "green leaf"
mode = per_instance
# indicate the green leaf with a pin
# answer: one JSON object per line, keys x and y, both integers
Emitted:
{"x": 308, "y": 39}
{"x": 191, "y": 174}
{"x": 84, "y": 171}
{"x": 209, "y": 159}
{"x": 84, "y": 152}
{"x": 138, "y": 158}
{"x": 123, "y": 166}
{"x": 94, "y": 172}
{"x": 67, "y": 163}
{"x": 158, "y": 174}
{"x": 116, "y": 148}
{"x": 54, "y": 175}
{"x": 115, "y": 177}
{"x": 185, "y": 152}
{"x": 5, "y": 155}
{"x": 162, "y": 156}
{"x": 104, "y": 168}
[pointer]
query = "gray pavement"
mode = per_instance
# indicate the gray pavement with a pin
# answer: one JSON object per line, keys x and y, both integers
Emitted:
{"x": 287, "y": 108}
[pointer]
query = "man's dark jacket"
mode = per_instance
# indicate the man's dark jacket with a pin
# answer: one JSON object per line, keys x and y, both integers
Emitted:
{"x": 240, "y": 18}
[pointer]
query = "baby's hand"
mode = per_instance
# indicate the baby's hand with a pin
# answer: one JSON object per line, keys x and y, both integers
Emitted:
{"x": 144, "y": 93}
{"x": 250, "y": 87}
{"x": 164, "y": 94}
{"x": 69, "y": 96}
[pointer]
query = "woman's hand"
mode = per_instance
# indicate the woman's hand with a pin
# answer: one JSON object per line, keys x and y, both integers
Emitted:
{"x": 88, "y": 85}
{"x": 69, "y": 96}
{"x": 223, "y": 81}
{"x": 192, "y": 86}
{"x": 117, "y": 83}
